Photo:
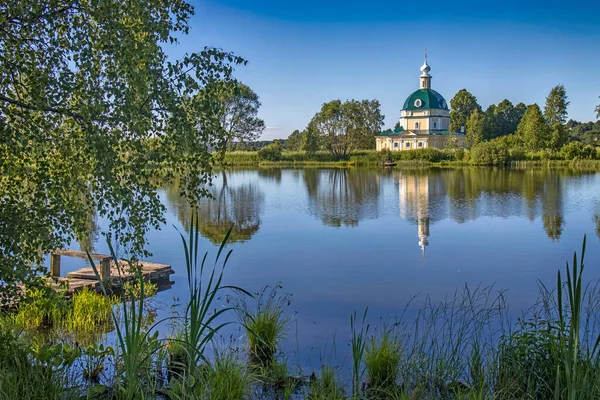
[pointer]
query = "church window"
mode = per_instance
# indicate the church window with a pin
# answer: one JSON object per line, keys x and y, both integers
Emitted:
{"x": 416, "y": 125}
{"x": 407, "y": 145}
{"x": 418, "y": 103}
{"x": 420, "y": 144}
{"x": 395, "y": 145}
{"x": 434, "y": 125}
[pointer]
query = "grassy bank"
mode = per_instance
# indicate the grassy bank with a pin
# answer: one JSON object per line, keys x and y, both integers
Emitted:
{"x": 423, "y": 157}
{"x": 462, "y": 348}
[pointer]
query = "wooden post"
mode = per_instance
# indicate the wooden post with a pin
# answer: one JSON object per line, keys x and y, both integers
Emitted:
{"x": 55, "y": 264}
{"x": 105, "y": 270}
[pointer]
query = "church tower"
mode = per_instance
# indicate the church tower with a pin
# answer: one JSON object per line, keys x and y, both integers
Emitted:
{"x": 425, "y": 77}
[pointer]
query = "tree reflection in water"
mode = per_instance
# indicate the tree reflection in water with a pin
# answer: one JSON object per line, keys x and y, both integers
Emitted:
{"x": 342, "y": 197}
{"x": 463, "y": 194}
{"x": 239, "y": 205}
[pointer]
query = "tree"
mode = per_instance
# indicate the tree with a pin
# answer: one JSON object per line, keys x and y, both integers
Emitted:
{"x": 508, "y": 118}
{"x": 474, "y": 134}
{"x": 598, "y": 110}
{"x": 311, "y": 142}
{"x": 520, "y": 111}
{"x": 93, "y": 114}
{"x": 489, "y": 122}
{"x": 294, "y": 141}
{"x": 559, "y": 136}
{"x": 462, "y": 105}
{"x": 555, "y": 110}
{"x": 346, "y": 127}
{"x": 239, "y": 110}
{"x": 533, "y": 129}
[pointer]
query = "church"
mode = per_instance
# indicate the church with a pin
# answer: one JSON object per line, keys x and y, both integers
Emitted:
{"x": 424, "y": 121}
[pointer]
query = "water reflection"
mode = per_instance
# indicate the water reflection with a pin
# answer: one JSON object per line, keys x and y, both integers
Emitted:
{"x": 342, "y": 197}
{"x": 421, "y": 200}
{"x": 469, "y": 193}
{"x": 238, "y": 204}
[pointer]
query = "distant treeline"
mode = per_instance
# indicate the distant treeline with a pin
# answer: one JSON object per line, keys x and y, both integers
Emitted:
{"x": 501, "y": 134}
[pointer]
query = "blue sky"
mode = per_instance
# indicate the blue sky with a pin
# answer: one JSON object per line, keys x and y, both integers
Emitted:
{"x": 302, "y": 54}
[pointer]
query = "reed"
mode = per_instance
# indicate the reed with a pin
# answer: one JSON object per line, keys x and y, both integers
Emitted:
{"x": 136, "y": 346}
{"x": 358, "y": 343}
{"x": 204, "y": 285}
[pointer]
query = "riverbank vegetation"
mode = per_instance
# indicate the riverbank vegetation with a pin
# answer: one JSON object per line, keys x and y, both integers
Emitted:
{"x": 344, "y": 133}
{"x": 462, "y": 348}
{"x": 494, "y": 152}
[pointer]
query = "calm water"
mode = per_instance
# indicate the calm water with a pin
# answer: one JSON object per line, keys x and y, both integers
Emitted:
{"x": 343, "y": 239}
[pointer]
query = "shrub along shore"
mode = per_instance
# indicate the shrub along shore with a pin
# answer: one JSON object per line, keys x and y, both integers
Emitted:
{"x": 463, "y": 348}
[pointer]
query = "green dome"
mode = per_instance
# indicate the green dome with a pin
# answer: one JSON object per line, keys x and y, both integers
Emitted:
{"x": 429, "y": 99}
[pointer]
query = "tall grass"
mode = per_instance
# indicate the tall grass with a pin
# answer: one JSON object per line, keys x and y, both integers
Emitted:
{"x": 204, "y": 285}
{"x": 358, "y": 343}
{"x": 265, "y": 321}
{"x": 90, "y": 312}
{"x": 326, "y": 386}
{"x": 41, "y": 308}
{"x": 579, "y": 368}
{"x": 136, "y": 345}
{"x": 382, "y": 363}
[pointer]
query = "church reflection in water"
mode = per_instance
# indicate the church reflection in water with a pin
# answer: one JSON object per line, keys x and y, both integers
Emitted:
{"x": 467, "y": 194}
{"x": 421, "y": 200}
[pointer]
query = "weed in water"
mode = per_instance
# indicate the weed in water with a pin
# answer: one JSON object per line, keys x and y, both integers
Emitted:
{"x": 136, "y": 346}
{"x": 326, "y": 387}
{"x": 90, "y": 312}
{"x": 41, "y": 308}
{"x": 204, "y": 285}
{"x": 382, "y": 360}
{"x": 358, "y": 343}
{"x": 265, "y": 323}
{"x": 227, "y": 378}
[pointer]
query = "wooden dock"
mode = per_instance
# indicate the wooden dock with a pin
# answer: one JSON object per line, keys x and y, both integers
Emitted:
{"x": 113, "y": 275}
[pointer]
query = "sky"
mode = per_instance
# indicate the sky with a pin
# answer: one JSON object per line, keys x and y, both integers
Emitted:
{"x": 303, "y": 54}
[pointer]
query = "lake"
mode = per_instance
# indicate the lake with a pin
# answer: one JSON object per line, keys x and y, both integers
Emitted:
{"x": 340, "y": 240}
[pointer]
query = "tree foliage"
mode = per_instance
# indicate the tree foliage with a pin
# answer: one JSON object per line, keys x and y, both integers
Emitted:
{"x": 462, "y": 105}
{"x": 239, "y": 113}
{"x": 533, "y": 129}
{"x": 555, "y": 110}
{"x": 474, "y": 129}
{"x": 91, "y": 109}
{"x": 311, "y": 141}
{"x": 491, "y": 152}
{"x": 294, "y": 141}
{"x": 348, "y": 126}
{"x": 271, "y": 152}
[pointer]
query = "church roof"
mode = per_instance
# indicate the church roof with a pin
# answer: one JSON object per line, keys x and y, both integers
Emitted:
{"x": 429, "y": 99}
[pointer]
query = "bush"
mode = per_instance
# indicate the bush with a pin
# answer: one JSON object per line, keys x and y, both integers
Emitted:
{"x": 578, "y": 151}
{"x": 517, "y": 154}
{"x": 493, "y": 152}
{"x": 429, "y": 154}
{"x": 271, "y": 152}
